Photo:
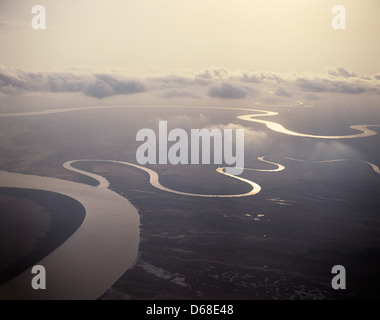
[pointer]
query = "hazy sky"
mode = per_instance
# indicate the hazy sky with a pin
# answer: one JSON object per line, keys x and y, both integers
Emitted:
{"x": 265, "y": 35}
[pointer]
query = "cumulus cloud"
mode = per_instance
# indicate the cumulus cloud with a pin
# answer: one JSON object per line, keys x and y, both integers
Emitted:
{"x": 105, "y": 85}
{"x": 251, "y": 78}
{"x": 176, "y": 86}
{"x": 178, "y": 93}
{"x": 338, "y": 80}
{"x": 341, "y": 72}
{"x": 227, "y": 91}
{"x": 98, "y": 85}
{"x": 327, "y": 85}
{"x": 171, "y": 81}
{"x": 282, "y": 92}
{"x": 214, "y": 73}
{"x": 215, "y": 83}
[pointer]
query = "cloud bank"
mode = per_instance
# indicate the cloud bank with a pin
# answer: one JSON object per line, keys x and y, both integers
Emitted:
{"x": 210, "y": 83}
{"x": 227, "y": 91}
{"x": 98, "y": 85}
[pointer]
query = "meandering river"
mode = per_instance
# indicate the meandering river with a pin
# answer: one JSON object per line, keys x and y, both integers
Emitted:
{"x": 95, "y": 256}
{"x": 274, "y": 126}
{"x": 106, "y": 244}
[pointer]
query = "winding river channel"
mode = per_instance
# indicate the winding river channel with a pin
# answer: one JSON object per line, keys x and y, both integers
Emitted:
{"x": 95, "y": 256}
{"x": 106, "y": 244}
